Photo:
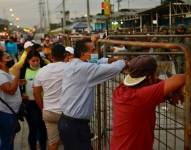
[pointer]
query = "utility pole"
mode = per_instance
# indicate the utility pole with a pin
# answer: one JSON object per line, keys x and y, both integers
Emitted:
{"x": 129, "y": 4}
{"x": 64, "y": 16}
{"x": 43, "y": 19}
{"x": 88, "y": 15}
{"x": 4, "y": 13}
{"x": 48, "y": 14}
{"x": 118, "y": 4}
{"x": 40, "y": 13}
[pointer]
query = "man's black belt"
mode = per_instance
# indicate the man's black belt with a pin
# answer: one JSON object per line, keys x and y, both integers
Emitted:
{"x": 74, "y": 119}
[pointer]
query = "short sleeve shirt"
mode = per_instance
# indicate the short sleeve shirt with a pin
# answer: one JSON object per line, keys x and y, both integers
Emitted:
{"x": 29, "y": 77}
{"x": 50, "y": 79}
{"x": 12, "y": 100}
{"x": 134, "y": 116}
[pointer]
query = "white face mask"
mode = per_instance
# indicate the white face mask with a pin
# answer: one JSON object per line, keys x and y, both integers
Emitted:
{"x": 34, "y": 68}
{"x": 41, "y": 54}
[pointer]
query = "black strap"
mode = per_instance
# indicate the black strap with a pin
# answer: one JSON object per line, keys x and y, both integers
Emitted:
{"x": 74, "y": 119}
{"x": 11, "y": 109}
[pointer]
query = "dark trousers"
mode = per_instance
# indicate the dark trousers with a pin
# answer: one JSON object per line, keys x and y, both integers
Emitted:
{"x": 7, "y": 130}
{"x": 37, "y": 128}
{"x": 74, "y": 134}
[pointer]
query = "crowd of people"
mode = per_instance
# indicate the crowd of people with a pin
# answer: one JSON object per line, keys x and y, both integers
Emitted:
{"x": 56, "y": 84}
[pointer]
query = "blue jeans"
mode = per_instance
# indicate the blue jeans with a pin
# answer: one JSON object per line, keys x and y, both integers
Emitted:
{"x": 7, "y": 131}
{"x": 74, "y": 134}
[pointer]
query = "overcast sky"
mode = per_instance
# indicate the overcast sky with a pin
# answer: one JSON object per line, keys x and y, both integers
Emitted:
{"x": 28, "y": 10}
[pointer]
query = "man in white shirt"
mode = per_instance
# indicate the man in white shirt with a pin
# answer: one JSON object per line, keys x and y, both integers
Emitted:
{"x": 48, "y": 81}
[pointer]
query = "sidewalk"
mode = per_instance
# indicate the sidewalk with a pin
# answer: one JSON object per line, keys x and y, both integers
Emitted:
{"x": 21, "y": 139}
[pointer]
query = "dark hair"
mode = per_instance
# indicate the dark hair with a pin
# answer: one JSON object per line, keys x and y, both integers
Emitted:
{"x": 46, "y": 36}
{"x": 36, "y": 46}
{"x": 58, "y": 52}
{"x": 81, "y": 47}
{"x": 142, "y": 65}
{"x": 181, "y": 27}
{"x": 32, "y": 53}
{"x": 29, "y": 38}
{"x": 11, "y": 38}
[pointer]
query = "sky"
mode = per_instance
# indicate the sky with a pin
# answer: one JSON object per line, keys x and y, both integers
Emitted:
{"x": 28, "y": 10}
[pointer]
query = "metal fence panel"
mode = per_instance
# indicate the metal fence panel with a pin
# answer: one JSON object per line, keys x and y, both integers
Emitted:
{"x": 172, "y": 130}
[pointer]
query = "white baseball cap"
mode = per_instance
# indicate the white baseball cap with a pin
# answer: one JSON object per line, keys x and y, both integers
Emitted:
{"x": 28, "y": 44}
{"x": 70, "y": 49}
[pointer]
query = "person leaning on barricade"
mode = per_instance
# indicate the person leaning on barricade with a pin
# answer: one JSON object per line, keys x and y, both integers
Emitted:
{"x": 135, "y": 101}
{"x": 79, "y": 79}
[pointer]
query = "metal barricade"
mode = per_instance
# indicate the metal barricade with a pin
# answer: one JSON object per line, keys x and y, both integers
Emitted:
{"x": 69, "y": 40}
{"x": 173, "y": 124}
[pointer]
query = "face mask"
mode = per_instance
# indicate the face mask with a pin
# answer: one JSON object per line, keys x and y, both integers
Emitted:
{"x": 93, "y": 58}
{"x": 34, "y": 68}
{"x": 10, "y": 63}
{"x": 42, "y": 54}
